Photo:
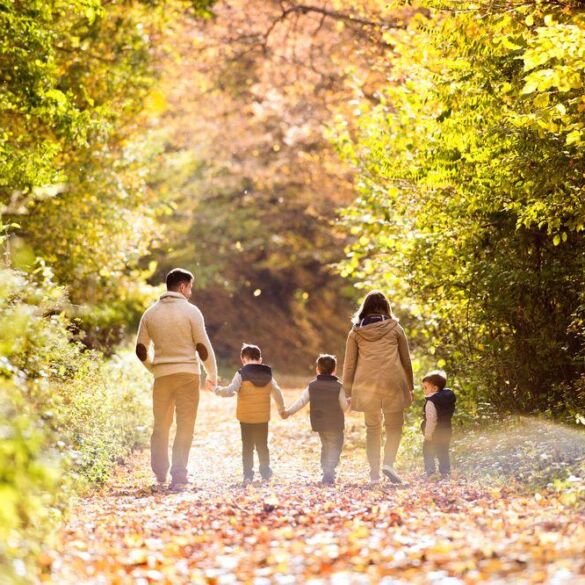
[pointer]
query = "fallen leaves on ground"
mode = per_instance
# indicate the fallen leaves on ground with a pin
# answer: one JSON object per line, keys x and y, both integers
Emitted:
{"x": 293, "y": 530}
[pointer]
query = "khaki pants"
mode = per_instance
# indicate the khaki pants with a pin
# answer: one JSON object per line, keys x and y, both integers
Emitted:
{"x": 173, "y": 393}
{"x": 393, "y": 422}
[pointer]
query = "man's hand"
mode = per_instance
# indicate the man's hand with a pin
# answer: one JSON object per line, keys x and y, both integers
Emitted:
{"x": 210, "y": 385}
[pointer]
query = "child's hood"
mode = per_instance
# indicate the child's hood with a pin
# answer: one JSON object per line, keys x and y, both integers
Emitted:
{"x": 448, "y": 395}
{"x": 258, "y": 374}
{"x": 445, "y": 397}
{"x": 375, "y": 331}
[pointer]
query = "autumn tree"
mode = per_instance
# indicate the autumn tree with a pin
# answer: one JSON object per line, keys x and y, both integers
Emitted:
{"x": 471, "y": 208}
{"x": 253, "y": 179}
{"x": 76, "y": 79}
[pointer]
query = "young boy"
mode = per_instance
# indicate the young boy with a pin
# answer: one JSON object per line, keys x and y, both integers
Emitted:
{"x": 254, "y": 384}
{"x": 327, "y": 404}
{"x": 438, "y": 412}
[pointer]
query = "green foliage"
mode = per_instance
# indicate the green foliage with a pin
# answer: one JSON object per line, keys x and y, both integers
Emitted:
{"x": 66, "y": 416}
{"x": 76, "y": 93}
{"x": 472, "y": 207}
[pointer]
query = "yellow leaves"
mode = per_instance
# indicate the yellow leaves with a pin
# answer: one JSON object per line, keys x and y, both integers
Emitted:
{"x": 296, "y": 532}
{"x": 9, "y": 515}
{"x": 540, "y": 81}
{"x": 541, "y": 100}
{"x": 509, "y": 44}
{"x": 573, "y": 137}
{"x": 270, "y": 503}
{"x": 138, "y": 556}
{"x": 359, "y": 532}
{"x": 155, "y": 103}
{"x": 549, "y": 20}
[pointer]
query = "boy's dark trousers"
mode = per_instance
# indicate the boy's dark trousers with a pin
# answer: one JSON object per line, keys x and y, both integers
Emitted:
{"x": 331, "y": 445}
{"x": 437, "y": 447}
{"x": 255, "y": 435}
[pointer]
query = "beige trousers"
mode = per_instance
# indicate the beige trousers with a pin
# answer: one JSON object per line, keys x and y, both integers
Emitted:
{"x": 173, "y": 394}
{"x": 393, "y": 422}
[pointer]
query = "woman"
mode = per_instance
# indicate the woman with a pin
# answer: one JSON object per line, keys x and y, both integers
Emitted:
{"x": 377, "y": 375}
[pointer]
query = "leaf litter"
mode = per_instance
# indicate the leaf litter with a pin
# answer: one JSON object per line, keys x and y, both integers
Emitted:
{"x": 485, "y": 525}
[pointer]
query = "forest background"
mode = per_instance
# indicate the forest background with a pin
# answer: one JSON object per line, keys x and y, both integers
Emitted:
{"x": 292, "y": 155}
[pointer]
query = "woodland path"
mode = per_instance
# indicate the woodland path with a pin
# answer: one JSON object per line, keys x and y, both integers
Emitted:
{"x": 466, "y": 530}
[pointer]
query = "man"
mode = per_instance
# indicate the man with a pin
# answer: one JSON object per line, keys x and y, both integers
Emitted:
{"x": 176, "y": 329}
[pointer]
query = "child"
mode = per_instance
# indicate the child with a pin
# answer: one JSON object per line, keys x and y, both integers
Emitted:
{"x": 254, "y": 384}
{"x": 327, "y": 403}
{"x": 438, "y": 412}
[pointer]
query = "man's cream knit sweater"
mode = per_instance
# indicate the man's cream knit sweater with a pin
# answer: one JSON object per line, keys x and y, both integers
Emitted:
{"x": 177, "y": 331}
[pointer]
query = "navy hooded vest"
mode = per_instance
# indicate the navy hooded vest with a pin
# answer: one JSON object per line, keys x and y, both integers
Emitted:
{"x": 326, "y": 413}
{"x": 444, "y": 401}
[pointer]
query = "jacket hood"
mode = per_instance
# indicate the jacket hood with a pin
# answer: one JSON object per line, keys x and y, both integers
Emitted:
{"x": 445, "y": 397}
{"x": 375, "y": 331}
{"x": 259, "y": 374}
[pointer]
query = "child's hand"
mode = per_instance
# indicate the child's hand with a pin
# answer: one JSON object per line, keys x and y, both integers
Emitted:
{"x": 284, "y": 414}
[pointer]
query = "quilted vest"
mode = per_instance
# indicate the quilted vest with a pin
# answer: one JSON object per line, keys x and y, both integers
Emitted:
{"x": 444, "y": 401}
{"x": 326, "y": 413}
{"x": 254, "y": 395}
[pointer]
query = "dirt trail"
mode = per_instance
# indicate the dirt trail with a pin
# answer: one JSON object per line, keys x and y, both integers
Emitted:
{"x": 294, "y": 531}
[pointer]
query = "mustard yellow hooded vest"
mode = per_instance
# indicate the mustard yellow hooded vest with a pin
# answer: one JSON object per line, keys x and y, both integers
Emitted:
{"x": 254, "y": 395}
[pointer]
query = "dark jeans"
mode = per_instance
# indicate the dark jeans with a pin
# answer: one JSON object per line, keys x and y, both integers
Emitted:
{"x": 175, "y": 394}
{"x": 437, "y": 448}
{"x": 331, "y": 445}
{"x": 255, "y": 436}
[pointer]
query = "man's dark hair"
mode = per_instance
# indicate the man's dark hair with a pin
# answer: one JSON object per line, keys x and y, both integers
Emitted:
{"x": 250, "y": 352}
{"x": 177, "y": 276}
{"x": 436, "y": 378}
{"x": 326, "y": 364}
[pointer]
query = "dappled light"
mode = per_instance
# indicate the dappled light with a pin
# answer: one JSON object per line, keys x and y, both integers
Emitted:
{"x": 292, "y": 292}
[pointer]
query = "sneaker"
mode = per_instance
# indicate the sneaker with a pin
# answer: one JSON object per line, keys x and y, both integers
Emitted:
{"x": 247, "y": 481}
{"x": 266, "y": 475}
{"x": 391, "y": 474}
{"x": 179, "y": 486}
{"x": 375, "y": 481}
{"x": 327, "y": 480}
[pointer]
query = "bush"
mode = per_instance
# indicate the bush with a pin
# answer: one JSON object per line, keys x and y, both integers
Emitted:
{"x": 66, "y": 415}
